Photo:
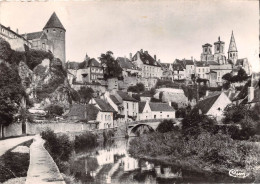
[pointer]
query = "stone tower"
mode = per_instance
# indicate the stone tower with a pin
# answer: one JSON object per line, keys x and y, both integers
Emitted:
{"x": 219, "y": 55}
{"x": 232, "y": 50}
{"x": 56, "y": 37}
{"x": 206, "y": 52}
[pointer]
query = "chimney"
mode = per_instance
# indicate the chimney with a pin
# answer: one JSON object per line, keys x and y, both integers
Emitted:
{"x": 131, "y": 57}
{"x": 155, "y": 57}
{"x": 159, "y": 61}
{"x": 191, "y": 58}
{"x": 141, "y": 51}
{"x": 17, "y": 31}
{"x": 8, "y": 27}
{"x": 250, "y": 93}
{"x": 146, "y": 52}
{"x": 125, "y": 58}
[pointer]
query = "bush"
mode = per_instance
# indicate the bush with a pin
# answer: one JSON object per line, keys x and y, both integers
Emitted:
{"x": 87, "y": 139}
{"x": 59, "y": 147}
{"x": 54, "y": 110}
{"x": 166, "y": 126}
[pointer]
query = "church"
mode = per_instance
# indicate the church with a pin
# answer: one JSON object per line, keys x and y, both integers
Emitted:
{"x": 219, "y": 63}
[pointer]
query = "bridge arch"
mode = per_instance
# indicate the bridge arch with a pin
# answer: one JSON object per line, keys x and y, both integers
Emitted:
{"x": 140, "y": 129}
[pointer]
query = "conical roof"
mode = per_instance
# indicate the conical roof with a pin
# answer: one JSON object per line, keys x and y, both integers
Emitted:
{"x": 232, "y": 45}
{"x": 54, "y": 22}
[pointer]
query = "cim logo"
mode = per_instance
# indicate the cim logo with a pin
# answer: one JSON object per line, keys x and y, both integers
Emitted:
{"x": 238, "y": 173}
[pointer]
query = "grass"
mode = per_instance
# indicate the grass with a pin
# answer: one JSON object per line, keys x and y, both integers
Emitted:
{"x": 14, "y": 165}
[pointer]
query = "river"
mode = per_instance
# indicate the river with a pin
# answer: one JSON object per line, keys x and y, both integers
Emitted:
{"x": 111, "y": 163}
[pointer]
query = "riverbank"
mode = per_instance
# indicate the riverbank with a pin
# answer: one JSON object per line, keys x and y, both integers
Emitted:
{"x": 14, "y": 164}
{"x": 207, "y": 153}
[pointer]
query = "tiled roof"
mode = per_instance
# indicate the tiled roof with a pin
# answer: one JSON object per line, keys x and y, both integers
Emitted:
{"x": 87, "y": 63}
{"x": 206, "y": 104}
{"x": 141, "y": 106}
{"x": 213, "y": 63}
{"x": 184, "y": 62}
{"x": 115, "y": 100}
{"x": 105, "y": 107}
{"x": 126, "y": 63}
{"x": 54, "y": 22}
{"x": 125, "y": 96}
{"x": 201, "y": 64}
{"x": 34, "y": 35}
{"x": 80, "y": 110}
{"x": 72, "y": 65}
{"x": 178, "y": 66}
{"x": 160, "y": 107}
{"x": 147, "y": 59}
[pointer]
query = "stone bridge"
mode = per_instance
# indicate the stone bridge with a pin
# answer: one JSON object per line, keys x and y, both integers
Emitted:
{"x": 145, "y": 125}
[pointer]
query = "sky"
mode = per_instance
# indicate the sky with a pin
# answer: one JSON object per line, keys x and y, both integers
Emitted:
{"x": 167, "y": 29}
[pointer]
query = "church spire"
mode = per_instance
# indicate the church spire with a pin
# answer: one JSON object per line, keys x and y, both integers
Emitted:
{"x": 232, "y": 45}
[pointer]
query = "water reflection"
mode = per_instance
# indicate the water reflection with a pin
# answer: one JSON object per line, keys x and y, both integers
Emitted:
{"x": 110, "y": 163}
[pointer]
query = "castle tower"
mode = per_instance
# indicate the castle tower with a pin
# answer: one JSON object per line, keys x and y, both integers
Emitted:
{"x": 56, "y": 37}
{"x": 219, "y": 55}
{"x": 206, "y": 52}
{"x": 232, "y": 50}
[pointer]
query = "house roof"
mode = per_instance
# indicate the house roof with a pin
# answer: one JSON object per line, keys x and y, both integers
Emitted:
{"x": 178, "y": 66}
{"x": 232, "y": 44}
{"x": 72, "y": 65}
{"x": 241, "y": 62}
{"x": 212, "y": 63}
{"x": 80, "y": 110}
{"x": 206, "y": 104}
{"x": 115, "y": 100}
{"x": 34, "y": 35}
{"x": 184, "y": 62}
{"x": 201, "y": 64}
{"x": 54, "y": 22}
{"x": 147, "y": 59}
{"x": 160, "y": 106}
{"x": 88, "y": 63}
{"x": 141, "y": 106}
{"x": 126, "y": 97}
{"x": 125, "y": 63}
{"x": 104, "y": 106}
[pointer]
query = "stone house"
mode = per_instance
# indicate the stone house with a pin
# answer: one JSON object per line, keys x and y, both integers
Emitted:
{"x": 214, "y": 105}
{"x": 124, "y": 104}
{"x": 15, "y": 40}
{"x": 106, "y": 115}
{"x": 152, "y": 110}
{"x": 151, "y": 68}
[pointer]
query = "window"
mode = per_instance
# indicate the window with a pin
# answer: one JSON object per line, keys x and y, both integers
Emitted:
{"x": 126, "y": 105}
{"x": 47, "y": 30}
{"x": 217, "y": 47}
{"x": 105, "y": 117}
{"x": 54, "y": 30}
{"x": 168, "y": 116}
{"x": 199, "y": 70}
{"x": 203, "y": 70}
{"x": 154, "y": 116}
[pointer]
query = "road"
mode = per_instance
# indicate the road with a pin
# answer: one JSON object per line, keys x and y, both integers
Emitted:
{"x": 7, "y": 144}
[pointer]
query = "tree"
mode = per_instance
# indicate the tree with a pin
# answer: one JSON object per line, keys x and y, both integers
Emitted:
{"x": 195, "y": 122}
{"x": 166, "y": 126}
{"x": 111, "y": 66}
{"x": 54, "y": 110}
{"x": 11, "y": 93}
{"x": 153, "y": 91}
{"x": 85, "y": 93}
{"x": 227, "y": 77}
{"x": 5, "y": 49}
{"x": 138, "y": 88}
{"x": 243, "y": 116}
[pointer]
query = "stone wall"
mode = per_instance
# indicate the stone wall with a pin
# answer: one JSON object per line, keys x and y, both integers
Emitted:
{"x": 57, "y": 127}
{"x": 14, "y": 129}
